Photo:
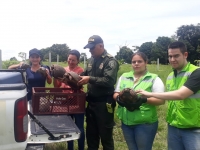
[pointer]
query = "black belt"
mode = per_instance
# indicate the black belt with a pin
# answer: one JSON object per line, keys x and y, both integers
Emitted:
{"x": 98, "y": 99}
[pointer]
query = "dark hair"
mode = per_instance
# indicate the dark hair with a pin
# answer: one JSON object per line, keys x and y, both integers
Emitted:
{"x": 141, "y": 54}
{"x": 74, "y": 52}
{"x": 179, "y": 45}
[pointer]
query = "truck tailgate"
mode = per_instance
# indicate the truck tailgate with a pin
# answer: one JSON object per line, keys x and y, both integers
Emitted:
{"x": 56, "y": 124}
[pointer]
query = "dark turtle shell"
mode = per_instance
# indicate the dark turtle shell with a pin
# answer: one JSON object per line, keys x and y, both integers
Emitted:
{"x": 128, "y": 95}
{"x": 72, "y": 79}
{"x": 57, "y": 71}
{"x": 25, "y": 66}
{"x": 42, "y": 71}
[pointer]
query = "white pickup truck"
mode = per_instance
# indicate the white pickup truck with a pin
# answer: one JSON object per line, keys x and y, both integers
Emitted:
{"x": 17, "y": 130}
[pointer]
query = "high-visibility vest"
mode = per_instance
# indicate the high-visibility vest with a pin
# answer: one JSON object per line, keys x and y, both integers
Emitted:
{"x": 183, "y": 113}
{"x": 147, "y": 113}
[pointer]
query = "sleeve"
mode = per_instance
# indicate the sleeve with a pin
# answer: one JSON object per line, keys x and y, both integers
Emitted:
{"x": 193, "y": 82}
{"x": 158, "y": 85}
{"x": 109, "y": 75}
{"x": 117, "y": 88}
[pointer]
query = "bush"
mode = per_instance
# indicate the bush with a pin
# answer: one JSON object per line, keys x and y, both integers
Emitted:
{"x": 8, "y": 63}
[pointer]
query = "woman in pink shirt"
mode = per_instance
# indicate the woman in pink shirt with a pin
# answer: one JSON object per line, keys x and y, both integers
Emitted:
{"x": 73, "y": 60}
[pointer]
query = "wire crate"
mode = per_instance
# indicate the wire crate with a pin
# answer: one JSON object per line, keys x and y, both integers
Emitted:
{"x": 57, "y": 101}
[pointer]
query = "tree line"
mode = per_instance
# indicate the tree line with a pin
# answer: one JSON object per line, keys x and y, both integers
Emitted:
{"x": 188, "y": 34}
{"x": 56, "y": 49}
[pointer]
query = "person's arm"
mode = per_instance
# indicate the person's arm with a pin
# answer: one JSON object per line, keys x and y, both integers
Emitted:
{"x": 49, "y": 79}
{"x": 179, "y": 94}
{"x": 15, "y": 66}
{"x": 191, "y": 86}
{"x": 158, "y": 86}
{"x": 117, "y": 89}
{"x": 48, "y": 76}
{"x": 108, "y": 79}
{"x": 56, "y": 83}
{"x": 193, "y": 82}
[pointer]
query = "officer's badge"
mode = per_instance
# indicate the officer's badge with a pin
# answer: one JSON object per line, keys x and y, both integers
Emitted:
{"x": 101, "y": 66}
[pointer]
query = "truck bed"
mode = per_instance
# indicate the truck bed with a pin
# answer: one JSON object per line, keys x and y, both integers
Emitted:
{"x": 56, "y": 124}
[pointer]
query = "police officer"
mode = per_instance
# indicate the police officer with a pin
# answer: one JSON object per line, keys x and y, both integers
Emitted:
{"x": 100, "y": 75}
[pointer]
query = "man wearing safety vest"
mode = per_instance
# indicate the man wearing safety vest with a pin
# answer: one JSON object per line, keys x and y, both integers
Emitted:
{"x": 183, "y": 93}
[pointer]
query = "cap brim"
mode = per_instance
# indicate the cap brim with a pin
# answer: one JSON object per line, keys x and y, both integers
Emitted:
{"x": 34, "y": 53}
{"x": 89, "y": 45}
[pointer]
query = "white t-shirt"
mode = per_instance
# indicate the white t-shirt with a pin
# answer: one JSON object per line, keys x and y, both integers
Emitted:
{"x": 158, "y": 85}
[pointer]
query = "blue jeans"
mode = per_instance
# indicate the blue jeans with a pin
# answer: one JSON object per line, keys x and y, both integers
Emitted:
{"x": 183, "y": 139}
{"x": 141, "y": 136}
{"x": 79, "y": 121}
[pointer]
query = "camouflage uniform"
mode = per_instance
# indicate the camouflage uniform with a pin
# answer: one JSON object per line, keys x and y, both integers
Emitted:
{"x": 100, "y": 122}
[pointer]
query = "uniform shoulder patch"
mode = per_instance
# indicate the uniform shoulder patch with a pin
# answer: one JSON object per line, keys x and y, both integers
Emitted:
{"x": 111, "y": 64}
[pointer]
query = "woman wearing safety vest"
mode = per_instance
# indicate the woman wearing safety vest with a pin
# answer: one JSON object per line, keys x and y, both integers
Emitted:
{"x": 139, "y": 126}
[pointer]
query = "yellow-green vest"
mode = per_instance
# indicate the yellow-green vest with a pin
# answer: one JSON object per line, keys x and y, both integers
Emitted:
{"x": 183, "y": 113}
{"x": 147, "y": 113}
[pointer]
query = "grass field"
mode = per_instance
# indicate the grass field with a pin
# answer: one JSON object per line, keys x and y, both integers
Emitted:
{"x": 160, "y": 142}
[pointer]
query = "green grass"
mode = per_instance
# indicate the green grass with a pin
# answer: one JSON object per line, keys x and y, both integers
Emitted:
{"x": 160, "y": 142}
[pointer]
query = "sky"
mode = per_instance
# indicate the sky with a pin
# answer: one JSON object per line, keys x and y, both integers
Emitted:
{"x": 28, "y": 24}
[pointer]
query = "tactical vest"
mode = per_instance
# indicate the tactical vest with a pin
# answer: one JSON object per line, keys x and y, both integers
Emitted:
{"x": 147, "y": 113}
{"x": 183, "y": 113}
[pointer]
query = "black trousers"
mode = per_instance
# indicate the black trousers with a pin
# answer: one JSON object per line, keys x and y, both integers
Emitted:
{"x": 99, "y": 126}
